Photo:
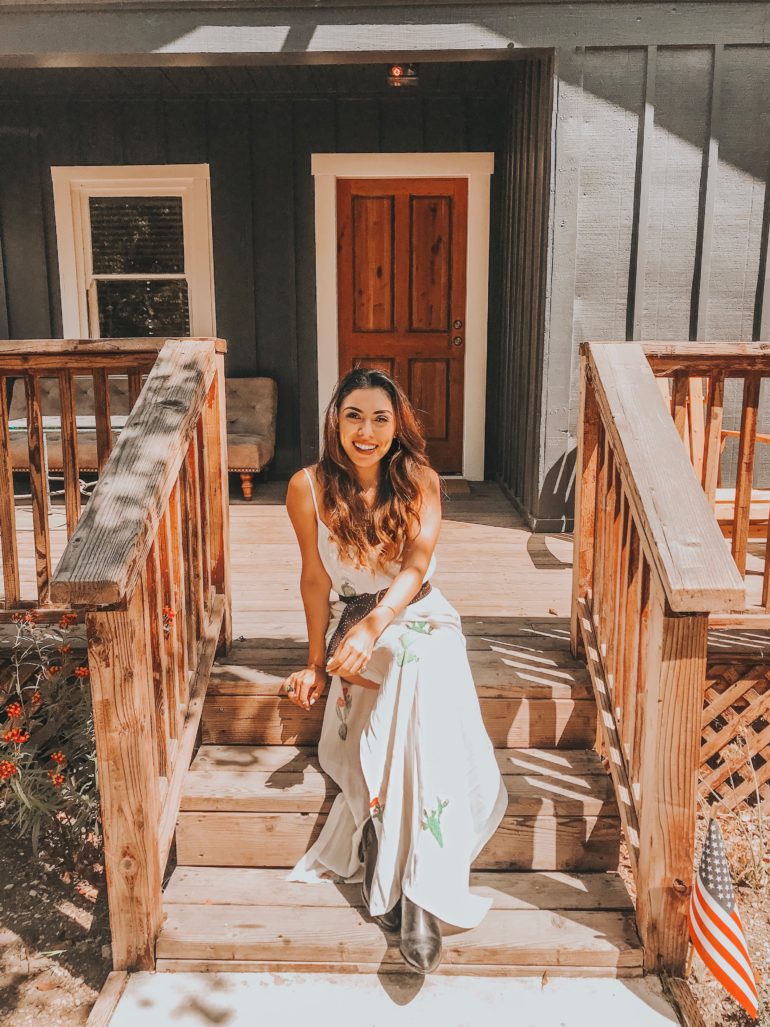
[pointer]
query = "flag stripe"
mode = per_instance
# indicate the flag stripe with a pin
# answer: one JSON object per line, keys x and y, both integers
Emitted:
{"x": 726, "y": 920}
{"x": 738, "y": 944}
{"x": 711, "y": 959}
{"x": 721, "y": 944}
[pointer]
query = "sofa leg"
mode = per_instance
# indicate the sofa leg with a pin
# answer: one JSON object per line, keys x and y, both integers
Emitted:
{"x": 246, "y": 481}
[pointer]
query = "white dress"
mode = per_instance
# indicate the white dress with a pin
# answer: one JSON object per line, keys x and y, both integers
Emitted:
{"x": 413, "y": 755}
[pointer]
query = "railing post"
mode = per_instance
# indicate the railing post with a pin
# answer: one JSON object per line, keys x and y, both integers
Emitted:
{"x": 585, "y": 498}
{"x": 123, "y": 705}
{"x": 675, "y": 669}
{"x": 215, "y": 427}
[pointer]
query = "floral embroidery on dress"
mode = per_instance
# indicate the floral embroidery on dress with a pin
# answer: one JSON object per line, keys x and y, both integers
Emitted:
{"x": 409, "y": 637}
{"x": 432, "y": 821}
{"x": 344, "y": 702}
{"x": 376, "y": 808}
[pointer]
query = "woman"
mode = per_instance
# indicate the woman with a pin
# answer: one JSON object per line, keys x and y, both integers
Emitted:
{"x": 420, "y": 789}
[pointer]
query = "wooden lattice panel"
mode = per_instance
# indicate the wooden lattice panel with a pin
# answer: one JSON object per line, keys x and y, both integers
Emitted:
{"x": 735, "y": 733}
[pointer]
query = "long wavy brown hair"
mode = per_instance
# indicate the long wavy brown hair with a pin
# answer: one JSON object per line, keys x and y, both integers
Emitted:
{"x": 373, "y": 537}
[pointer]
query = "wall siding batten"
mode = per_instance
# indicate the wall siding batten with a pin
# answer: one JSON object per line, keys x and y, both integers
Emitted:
{"x": 314, "y": 133}
{"x": 710, "y": 162}
{"x": 634, "y": 317}
{"x": 231, "y": 206}
{"x": 275, "y": 300}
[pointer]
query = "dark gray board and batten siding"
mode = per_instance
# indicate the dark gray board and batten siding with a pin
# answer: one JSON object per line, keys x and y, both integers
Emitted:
{"x": 258, "y": 145}
{"x": 660, "y": 223}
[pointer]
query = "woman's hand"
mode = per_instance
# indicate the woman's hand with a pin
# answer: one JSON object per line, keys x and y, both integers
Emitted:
{"x": 305, "y": 686}
{"x": 355, "y": 650}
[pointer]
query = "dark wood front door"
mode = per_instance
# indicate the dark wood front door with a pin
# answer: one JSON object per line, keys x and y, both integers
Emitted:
{"x": 401, "y": 253}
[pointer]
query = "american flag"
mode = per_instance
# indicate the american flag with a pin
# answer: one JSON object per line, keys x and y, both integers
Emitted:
{"x": 715, "y": 926}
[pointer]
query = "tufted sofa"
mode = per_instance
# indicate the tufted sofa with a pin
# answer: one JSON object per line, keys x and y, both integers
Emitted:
{"x": 251, "y": 412}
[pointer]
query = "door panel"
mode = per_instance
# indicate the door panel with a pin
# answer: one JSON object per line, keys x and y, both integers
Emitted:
{"x": 402, "y": 247}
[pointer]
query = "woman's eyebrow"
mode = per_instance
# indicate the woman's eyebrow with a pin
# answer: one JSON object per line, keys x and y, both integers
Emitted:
{"x": 358, "y": 410}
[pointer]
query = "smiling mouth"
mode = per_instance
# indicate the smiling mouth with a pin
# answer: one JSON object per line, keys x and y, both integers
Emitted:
{"x": 362, "y": 448}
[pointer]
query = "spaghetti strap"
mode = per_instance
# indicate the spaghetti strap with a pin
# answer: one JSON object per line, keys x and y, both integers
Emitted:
{"x": 312, "y": 493}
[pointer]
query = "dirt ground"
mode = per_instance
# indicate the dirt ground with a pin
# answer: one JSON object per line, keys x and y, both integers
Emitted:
{"x": 54, "y": 940}
{"x": 717, "y": 1008}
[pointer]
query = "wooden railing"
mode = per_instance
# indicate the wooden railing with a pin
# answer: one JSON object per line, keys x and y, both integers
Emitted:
{"x": 148, "y": 562}
{"x": 693, "y": 378}
{"x": 30, "y": 366}
{"x": 650, "y": 566}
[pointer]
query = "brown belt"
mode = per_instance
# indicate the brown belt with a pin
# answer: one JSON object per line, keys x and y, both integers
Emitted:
{"x": 358, "y": 607}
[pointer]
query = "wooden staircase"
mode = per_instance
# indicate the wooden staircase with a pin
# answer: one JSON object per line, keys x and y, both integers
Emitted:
{"x": 255, "y": 799}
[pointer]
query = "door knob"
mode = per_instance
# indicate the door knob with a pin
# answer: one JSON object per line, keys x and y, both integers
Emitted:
{"x": 457, "y": 340}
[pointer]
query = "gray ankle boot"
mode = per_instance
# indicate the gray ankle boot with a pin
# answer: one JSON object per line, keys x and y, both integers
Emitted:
{"x": 420, "y": 937}
{"x": 367, "y": 853}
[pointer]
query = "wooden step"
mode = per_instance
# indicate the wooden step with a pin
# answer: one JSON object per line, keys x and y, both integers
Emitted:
{"x": 272, "y": 720}
{"x": 275, "y": 779}
{"x": 222, "y": 919}
{"x": 243, "y": 807}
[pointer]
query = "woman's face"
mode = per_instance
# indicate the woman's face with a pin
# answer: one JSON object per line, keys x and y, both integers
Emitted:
{"x": 367, "y": 425}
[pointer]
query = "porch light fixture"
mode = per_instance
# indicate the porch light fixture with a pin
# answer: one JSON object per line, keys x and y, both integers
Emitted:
{"x": 403, "y": 75}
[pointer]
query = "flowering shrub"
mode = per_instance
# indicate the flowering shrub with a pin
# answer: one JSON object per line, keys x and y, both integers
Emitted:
{"x": 48, "y": 787}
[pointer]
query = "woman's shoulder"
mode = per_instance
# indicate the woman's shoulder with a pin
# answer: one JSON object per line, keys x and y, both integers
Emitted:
{"x": 299, "y": 480}
{"x": 428, "y": 481}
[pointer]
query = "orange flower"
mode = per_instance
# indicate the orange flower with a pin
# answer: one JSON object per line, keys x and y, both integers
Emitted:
{"x": 14, "y": 710}
{"x": 17, "y": 735}
{"x": 36, "y": 700}
{"x": 57, "y": 779}
{"x": 7, "y": 769}
{"x": 52, "y": 669}
{"x": 375, "y": 802}
{"x": 31, "y": 617}
{"x": 59, "y": 757}
{"x": 64, "y": 649}
{"x": 169, "y": 613}
{"x": 67, "y": 620}
{"x": 81, "y": 672}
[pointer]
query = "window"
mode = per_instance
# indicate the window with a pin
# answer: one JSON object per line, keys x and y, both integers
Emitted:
{"x": 135, "y": 255}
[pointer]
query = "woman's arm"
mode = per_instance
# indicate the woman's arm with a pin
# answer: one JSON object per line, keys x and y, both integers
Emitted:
{"x": 355, "y": 649}
{"x": 315, "y": 585}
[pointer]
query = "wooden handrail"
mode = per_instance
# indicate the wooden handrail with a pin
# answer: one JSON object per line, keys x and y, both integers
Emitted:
{"x": 149, "y": 563}
{"x": 650, "y": 566}
{"x": 105, "y": 555}
{"x": 681, "y": 537}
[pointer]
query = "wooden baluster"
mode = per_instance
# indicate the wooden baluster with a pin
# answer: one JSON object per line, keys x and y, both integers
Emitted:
{"x": 614, "y": 645}
{"x": 154, "y": 607}
{"x": 713, "y": 443}
{"x": 187, "y": 566}
{"x": 193, "y": 522}
{"x": 134, "y": 387}
{"x": 585, "y": 499}
{"x": 608, "y": 562}
{"x": 11, "y": 582}
{"x": 645, "y": 585}
{"x": 202, "y": 498}
{"x": 679, "y": 391}
{"x": 103, "y": 420}
{"x": 215, "y": 425}
{"x": 123, "y": 706}
{"x": 178, "y": 581}
{"x": 69, "y": 448}
{"x": 745, "y": 471}
{"x": 39, "y": 487}
{"x": 599, "y": 527}
{"x": 619, "y": 674}
{"x": 631, "y": 634}
{"x": 171, "y": 639}
{"x": 670, "y": 757}
{"x": 696, "y": 421}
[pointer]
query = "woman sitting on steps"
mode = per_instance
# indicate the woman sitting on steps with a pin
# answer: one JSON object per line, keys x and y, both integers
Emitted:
{"x": 402, "y": 736}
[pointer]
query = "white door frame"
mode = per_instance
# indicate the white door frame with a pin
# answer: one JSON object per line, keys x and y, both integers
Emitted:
{"x": 477, "y": 168}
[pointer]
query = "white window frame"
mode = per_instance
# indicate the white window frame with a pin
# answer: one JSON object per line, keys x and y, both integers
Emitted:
{"x": 72, "y": 189}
